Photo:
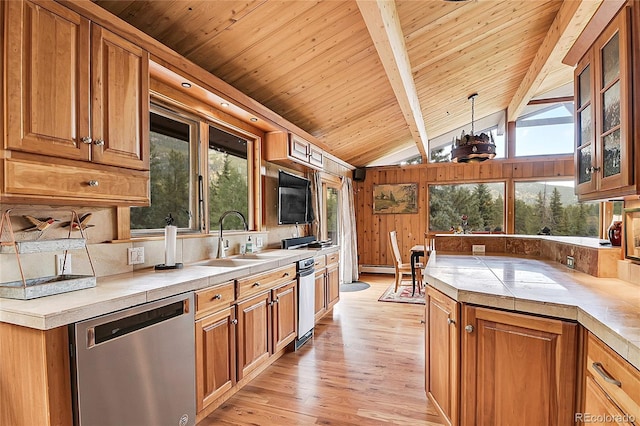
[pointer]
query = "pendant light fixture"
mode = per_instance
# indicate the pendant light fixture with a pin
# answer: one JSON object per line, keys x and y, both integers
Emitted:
{"x": 472, "y": 148}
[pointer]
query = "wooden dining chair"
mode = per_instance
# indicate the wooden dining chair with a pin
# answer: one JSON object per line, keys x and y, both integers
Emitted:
{"x": 401, "y": 267}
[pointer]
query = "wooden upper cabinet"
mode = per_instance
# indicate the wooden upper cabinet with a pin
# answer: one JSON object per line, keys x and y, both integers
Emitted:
{"x": 47, "y": 80}
{"x": 74, "y": 89}
{"x": 120, "y": 101}
{"x": 604, "y": 123}
{"x": 292, "y": 151}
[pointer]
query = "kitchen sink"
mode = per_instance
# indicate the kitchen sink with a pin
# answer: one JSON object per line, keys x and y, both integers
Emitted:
{"x": 261, "y": 255}
{"x": 230, "y": 262}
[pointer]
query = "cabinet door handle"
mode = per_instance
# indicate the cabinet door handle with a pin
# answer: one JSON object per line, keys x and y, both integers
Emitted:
{"x": 286, "y": 274}
{"x": 607, "y": 378}
{"x": 93, "y": 183}
{"x": 450, "y": 321}
{"x": 86, "y": 140}
{"x": 469, "y": 328}
{"x": 422, "y": 321}
{"x": 98, "y": 142}
{"x": 255, "y": 285}
{"x": 234, "y": 321}
{"x": 217, "y": 297}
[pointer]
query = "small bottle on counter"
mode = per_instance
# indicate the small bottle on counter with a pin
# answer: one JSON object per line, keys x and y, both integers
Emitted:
{"x": 249, "y": 245}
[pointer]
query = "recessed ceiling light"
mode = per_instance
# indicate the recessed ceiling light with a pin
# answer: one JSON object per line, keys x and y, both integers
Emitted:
{"x": 224, "y": 104}
{"x": 186, "y": 85}
{"x": 253, "y": 119}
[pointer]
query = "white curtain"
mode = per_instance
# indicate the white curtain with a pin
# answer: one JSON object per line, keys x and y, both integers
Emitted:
{"x": 348, "y": 237}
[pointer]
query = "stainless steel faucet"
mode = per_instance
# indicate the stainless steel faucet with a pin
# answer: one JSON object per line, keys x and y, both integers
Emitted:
{"x": 221, "y": 249}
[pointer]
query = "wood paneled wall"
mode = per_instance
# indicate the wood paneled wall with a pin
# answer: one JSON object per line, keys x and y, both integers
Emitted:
{"x": 373, "y": 229}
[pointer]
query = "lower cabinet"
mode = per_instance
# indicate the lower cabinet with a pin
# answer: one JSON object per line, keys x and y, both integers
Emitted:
{"x": 254, "y": 317}
{"x": 215, "y": 356}
{"x": 320, "y": 305}
{"x": 611, "y": 387}
{"x": 267, "y": 316}
{"x": 442, "y": 351}
{"x": 285, "y": 315}
{"x": 517, "y": 369}
{"x": 496, "y": 367}
{"x": 327, "y": 288}
{"x": 333, "y": 285}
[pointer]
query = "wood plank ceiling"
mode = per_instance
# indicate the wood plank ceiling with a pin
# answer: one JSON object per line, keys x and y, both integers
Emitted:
{"x": 316, "y": 64}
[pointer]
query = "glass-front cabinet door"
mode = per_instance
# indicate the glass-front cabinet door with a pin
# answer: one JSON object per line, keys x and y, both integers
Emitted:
{"x": 584, "y": 132}
{"x": 614, "y": 95}
{"x": 604, "y": 155}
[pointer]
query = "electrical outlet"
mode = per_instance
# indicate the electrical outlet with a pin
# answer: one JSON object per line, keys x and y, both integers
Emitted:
{"x": 136, "y": 255}
{"x": 477, "y": 248}
{"x": 570, "y": 262}
{"x": 259, "y": 242}
{"x": 63, "y": 264}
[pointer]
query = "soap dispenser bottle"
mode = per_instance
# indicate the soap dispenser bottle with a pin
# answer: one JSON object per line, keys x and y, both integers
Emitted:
{"x": 249, "y": 246}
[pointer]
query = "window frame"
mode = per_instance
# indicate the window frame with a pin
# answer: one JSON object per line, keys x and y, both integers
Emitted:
{"x": 200, "y": 223}
{"x": 335, "y": 183}
{"x": 253, "y": 175}
{"x": 194, "y": 135}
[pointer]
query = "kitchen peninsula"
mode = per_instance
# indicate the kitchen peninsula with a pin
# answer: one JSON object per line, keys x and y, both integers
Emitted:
{"x": 517, "y": 325}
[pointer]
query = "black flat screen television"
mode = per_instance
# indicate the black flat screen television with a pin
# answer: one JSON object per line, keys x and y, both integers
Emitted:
{"x": 294, "y": 199}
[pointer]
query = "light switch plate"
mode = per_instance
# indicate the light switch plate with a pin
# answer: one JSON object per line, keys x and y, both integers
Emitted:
{"x": 259, "y": 242}
{"x": 136, "y": 255}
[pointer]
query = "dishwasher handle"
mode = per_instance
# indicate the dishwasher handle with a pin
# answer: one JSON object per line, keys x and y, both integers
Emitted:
{"x": 306, "y": 272}
{"x": 122, "y": 326}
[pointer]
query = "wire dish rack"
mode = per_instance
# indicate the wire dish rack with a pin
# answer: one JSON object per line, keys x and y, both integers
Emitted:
{"x": 31, "y": 288}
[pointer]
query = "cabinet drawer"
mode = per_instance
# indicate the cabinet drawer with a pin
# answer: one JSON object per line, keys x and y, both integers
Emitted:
{"x": 333, "y": 258}
{"x": 319, "y": 262}
{"x": 47, "y": 180}
{"x": 618, "y": 378}
{"x": 214, "y": 298}
{"x": 264, "y": 281}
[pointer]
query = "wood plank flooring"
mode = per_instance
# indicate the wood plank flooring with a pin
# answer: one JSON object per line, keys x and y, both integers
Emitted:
{"x": 364, "y": 366}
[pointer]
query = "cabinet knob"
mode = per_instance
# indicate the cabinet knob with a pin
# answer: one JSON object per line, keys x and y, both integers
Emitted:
{"x": 234, "y": 321}
{"x": 286, "y": 274}
{"x": 217, "y": 297}
{"x": 86, "y": 140}
{"x": 469, "y": 328}
{"x": 450, "y": 321}
{"x": 93, "y": 183}
{"x": 422, "y": 321}
{"x": 255, "y": 285}
{"x": 98, "y": 142}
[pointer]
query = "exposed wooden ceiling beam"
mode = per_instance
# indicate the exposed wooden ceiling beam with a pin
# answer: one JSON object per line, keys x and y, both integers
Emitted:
{"x": 569, "y": 22}
{"x": 383, "y": 24}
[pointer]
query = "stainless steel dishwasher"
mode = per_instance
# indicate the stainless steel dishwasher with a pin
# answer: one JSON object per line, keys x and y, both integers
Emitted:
{"x": 136, "y": 366}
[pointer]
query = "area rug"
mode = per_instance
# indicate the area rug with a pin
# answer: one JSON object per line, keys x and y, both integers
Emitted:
{"x": 403, "y": 295}
{"x": 354, "y": 286}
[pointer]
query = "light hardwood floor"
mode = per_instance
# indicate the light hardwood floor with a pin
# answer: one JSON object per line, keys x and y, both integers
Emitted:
{"x": 364, "y": 366}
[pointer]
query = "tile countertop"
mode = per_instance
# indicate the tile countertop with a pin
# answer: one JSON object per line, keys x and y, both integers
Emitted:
{"x": 608, "y": 307}
{"x": 122, "y": 291}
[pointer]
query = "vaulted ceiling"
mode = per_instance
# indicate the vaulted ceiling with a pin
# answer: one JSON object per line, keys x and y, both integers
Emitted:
{"x": 368, "y": 78}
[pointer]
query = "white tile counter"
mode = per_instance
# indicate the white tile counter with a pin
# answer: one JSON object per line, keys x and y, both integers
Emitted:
{"x": 122, "y": 291}
{"x": 608, "y": 307}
